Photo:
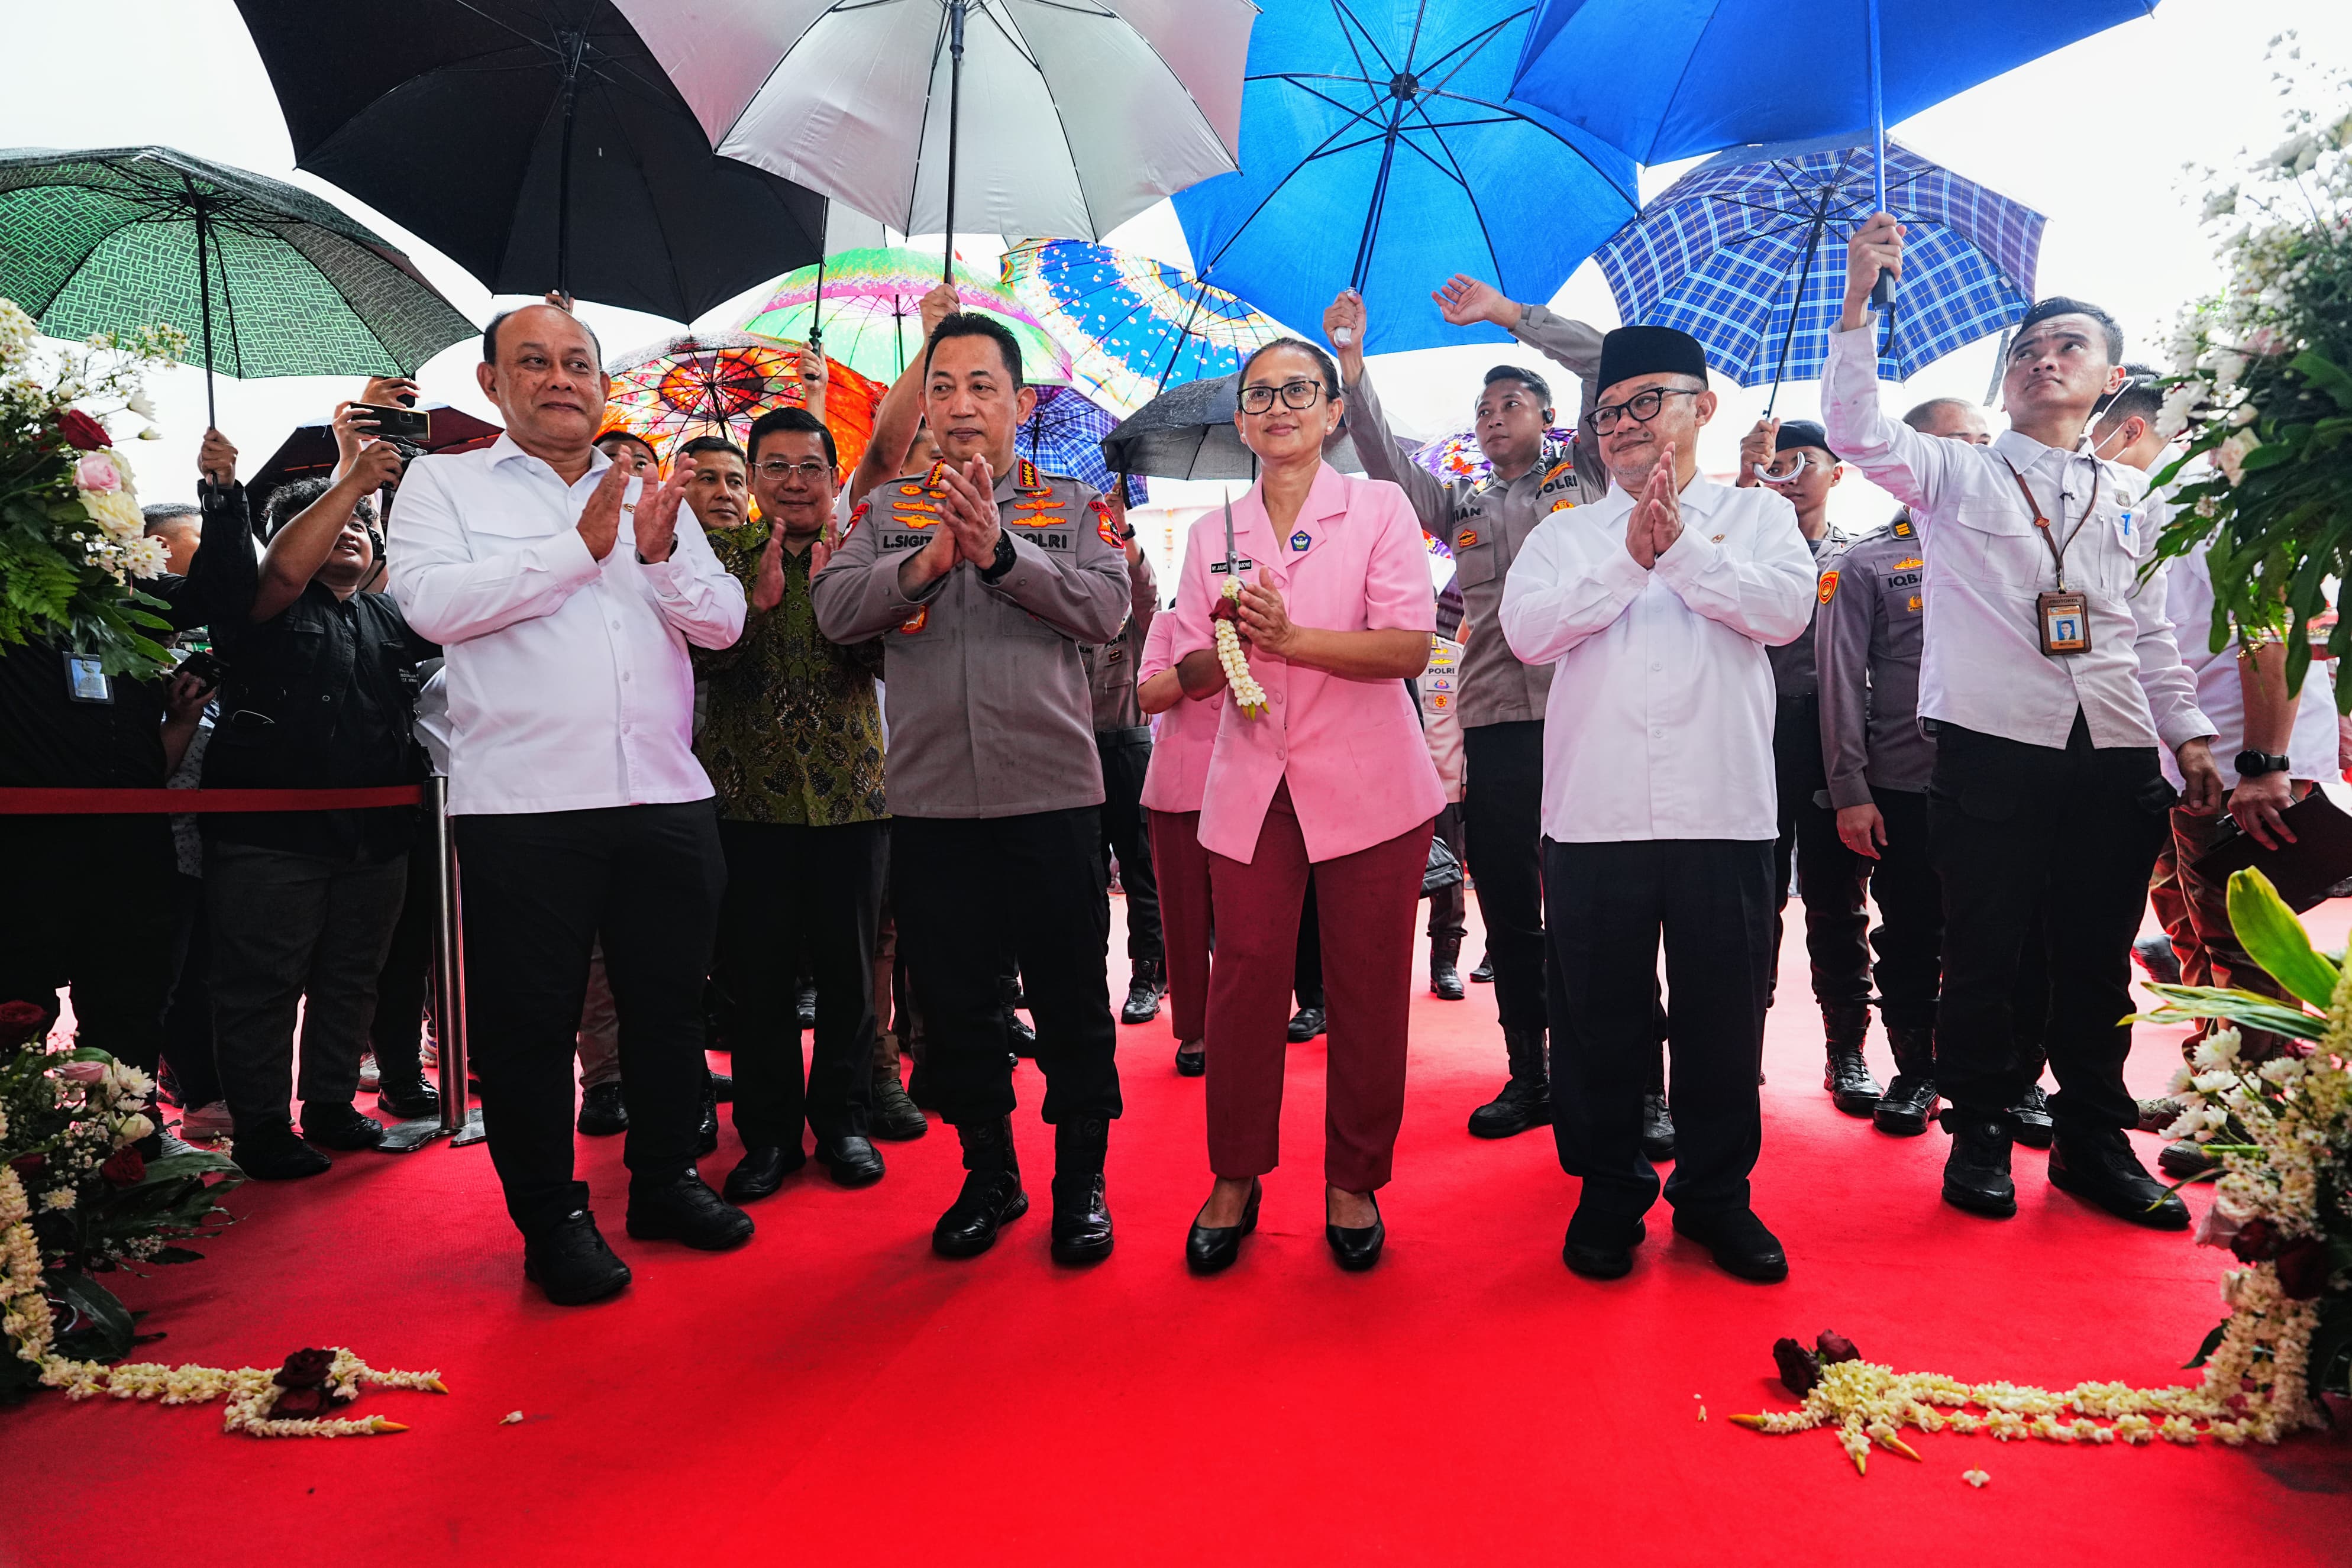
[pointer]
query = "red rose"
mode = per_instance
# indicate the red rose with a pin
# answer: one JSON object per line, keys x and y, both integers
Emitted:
{"x": 82, "y": 431}
{"x": 125, "y": 1167}
{"x": 1799, "y": 1368}
{"x": 22, "y": 1021}
{"x": 305, "y": 1369}
{"x": 2303, "y": 1269}
{"x": 301, "y": 1404}
{"x": 1835, "y": 1347}
{"x": 2257, "y": 1241}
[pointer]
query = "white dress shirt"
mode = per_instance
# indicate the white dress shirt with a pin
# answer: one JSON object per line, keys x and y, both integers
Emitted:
{"x": 569, "y": 683}
{"x": 1659, "y": 724}
{"x": 1983, "y": 667}
{"x": 2221, "y": 696}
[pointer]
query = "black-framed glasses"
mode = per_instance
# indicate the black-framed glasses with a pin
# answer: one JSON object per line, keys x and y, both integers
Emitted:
{"x": 1295, "y": 394}
{"x": 810, "y": 470}
{"x": 1642, "y": 406}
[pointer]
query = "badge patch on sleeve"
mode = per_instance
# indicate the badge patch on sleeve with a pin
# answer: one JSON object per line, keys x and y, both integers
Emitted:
{"x": 1103, "y": 523}
{"x": 1828, "y": 590}
{"x": 856, "y": 516}
{"x": 915, "y": 622}
{"x": 1300, "y": 540}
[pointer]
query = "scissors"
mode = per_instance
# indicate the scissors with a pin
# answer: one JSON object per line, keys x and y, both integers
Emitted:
{"x": 1233, "y": 557}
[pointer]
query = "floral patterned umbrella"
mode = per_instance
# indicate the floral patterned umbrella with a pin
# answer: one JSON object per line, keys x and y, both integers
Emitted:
{"x": 716, "y": 383}
{"x": 867, "y": 305}
{"x": 1456, "y": 457}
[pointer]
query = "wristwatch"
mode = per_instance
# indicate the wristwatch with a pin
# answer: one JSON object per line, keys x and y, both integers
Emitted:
{"x": 1003, "y": 561}
{"x": 2253, "y": 763}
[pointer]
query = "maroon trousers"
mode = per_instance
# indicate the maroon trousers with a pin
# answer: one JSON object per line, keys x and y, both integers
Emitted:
{"x": 1184, "y": 869}
{"x": 1369, "y": 903}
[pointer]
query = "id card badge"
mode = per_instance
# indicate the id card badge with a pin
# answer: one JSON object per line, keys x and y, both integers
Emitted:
{"x": 2066, "y": 621}
{"x": 86, "y": 680}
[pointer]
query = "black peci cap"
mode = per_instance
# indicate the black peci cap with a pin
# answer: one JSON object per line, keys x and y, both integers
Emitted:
{"x": 1631, "y": 351}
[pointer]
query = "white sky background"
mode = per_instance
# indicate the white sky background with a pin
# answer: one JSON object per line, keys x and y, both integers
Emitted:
{"x": 2093, "y": 136}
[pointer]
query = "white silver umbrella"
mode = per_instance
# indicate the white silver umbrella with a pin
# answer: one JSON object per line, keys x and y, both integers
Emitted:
{"x": 1059, "y": 117}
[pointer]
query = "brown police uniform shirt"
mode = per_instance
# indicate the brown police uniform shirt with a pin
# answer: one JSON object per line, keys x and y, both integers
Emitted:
{"x": 1111, "y": 666}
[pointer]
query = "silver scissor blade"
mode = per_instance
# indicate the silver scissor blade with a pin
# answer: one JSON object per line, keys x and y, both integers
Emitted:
{"x": 1233, "y": 557}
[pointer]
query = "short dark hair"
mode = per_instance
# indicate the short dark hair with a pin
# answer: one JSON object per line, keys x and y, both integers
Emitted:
{"x": 165, "y": 511}
{"x": 1524, "y": 377}
{"x": 490, "y": 334}
{"x": 799, "y": 419}
{"x": 973, "y": 324}
{"x": 630, "y": 436}
{"x": 1323, "y": 364}
{"x": 2063, "y": 305}
{"x": 295, "y": 496}
{"x": 2141, "y": 394}
{"x": 1922, "y": 415}
{"x": 712, "y": 444}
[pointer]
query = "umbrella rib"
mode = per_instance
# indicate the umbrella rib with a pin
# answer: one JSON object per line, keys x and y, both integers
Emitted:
{"x": 1476, "y": 211}
{"x": 1506, "y": 110}
{"x": 1352, "y": 29}
{"x": 669, "y": 253}
{"x": 1468, "y": 48}
{"x": 1269, "y": 198}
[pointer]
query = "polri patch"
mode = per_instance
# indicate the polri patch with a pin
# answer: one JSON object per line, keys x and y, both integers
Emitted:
{"x": 1828, "y": 590}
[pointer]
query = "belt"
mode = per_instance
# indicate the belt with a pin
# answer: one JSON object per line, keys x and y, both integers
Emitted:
{"x": 1140, "y": 733}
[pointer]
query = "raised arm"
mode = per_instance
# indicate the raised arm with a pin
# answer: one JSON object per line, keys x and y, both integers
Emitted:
{"x": 900, "y": 409}
{"x": 1376, "y": 448}
{"x": 303, "y": 544}
{"x": 1910, "y": 467}
{"x": 1575, "y": 346}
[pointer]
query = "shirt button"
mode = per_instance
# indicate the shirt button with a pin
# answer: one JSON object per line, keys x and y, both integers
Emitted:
{"x": 1655, "y": 668}
{"x": 626, "y": 675}
{"x": 1657, "y": 734}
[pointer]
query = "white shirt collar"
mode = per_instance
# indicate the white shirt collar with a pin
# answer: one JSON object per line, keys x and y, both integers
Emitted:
{"x": 504, "y": 449}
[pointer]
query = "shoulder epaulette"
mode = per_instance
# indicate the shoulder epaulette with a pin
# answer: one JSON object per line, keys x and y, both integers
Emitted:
{"x": 1027, "y": 479}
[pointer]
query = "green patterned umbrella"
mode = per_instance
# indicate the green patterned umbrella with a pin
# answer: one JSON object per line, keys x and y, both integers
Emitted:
{"x": 266, "y": 280}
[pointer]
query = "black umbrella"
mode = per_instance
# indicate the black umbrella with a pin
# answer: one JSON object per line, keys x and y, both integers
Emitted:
{"x": 538, "y": 145}
{"x": 1187, "y": 432}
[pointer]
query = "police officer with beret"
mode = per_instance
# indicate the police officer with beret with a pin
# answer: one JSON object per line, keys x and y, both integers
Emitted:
{"x": 985, "y": 577}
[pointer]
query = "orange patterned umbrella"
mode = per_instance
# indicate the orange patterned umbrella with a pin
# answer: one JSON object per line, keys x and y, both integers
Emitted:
{"x": 716, "y": 383}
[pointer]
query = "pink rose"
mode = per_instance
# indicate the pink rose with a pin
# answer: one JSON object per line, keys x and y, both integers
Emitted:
{"x": 83, "y": 1071}
{"x": 96, "y": 473}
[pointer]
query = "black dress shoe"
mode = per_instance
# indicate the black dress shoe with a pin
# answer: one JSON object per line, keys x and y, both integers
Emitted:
{"x": 2155, "y": 955}
{"x": 761, "y": 1171}
{"x": 1357, "y": 1250}
{"x": 722, "y": 1087}
{"x": 1975, "y": 1173}
{"x": 2032, "y": 1121}
{"x": 1081, "y": 1230}
{"x": 1601, "y": 1246}
{"x": 1144, "y": 992}
{"x": 895, "y": 1115}
{"x": 1212, "y": 1249}
{"x": 686, "y": 1209}
{"x": 1445, "y": 981}
{"x": 850, "y": 1160}
{"x": 1304, "y": 1025}
{"x": 272, "y": 1152}
{"x": 1852, "y": 1088}
{"x": 1191, "y": 1063}
{"x": 570, "y": 1262}
{"x": 1739, "y": 1242}
{"x": 2100, "y": 1166}
{"x": 2185, "y": 1157}
{"x": 1658, "y": 1129}
{"x": 1483, "y": 975}
{"x": 407, "y": 1101}
{"x": 601, "y": 1112}
{"x": 1907, "y": 1107}
{"x": 706, "y": 1137}
{"x": 340, "y": 1126}
{"x": 991, "y": 1198}
{"x": 1019, "y": 1035}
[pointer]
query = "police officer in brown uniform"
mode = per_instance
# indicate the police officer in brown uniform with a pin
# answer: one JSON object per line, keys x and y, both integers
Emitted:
{"x": 1501, "y": 701}
{"x": 1123, "y": 740}
{"x": 983, "y": 578}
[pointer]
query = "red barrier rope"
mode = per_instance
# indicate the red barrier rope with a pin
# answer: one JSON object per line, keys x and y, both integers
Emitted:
{"x": 28, "y": 802}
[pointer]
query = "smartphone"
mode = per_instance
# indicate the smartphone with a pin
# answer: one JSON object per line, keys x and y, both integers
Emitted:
{"x": 205, "y": 666}
{"x": 408, "y": 423}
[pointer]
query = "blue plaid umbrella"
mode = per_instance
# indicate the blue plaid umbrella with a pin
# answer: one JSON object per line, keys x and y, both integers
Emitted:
{"x": 1064, "y": 436}
{"x": 1747, "y": 254}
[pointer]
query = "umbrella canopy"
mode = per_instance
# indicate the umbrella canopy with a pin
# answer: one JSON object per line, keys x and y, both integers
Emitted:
{"x": 1065, "y": 435}
{"x": 1697, "y": 76}
{"x": 1382, "y": 151}
{"x": 1187, "y": 432}
{"x": 1022, "y": 117}
{"x": 538, "y": 145}
{"x": 870, "y": 315}
{"x": 1134, "y": 327}
{"x": 716, "y": 383}
{"x": 1747, "y": 254}
{"x": 266, "y": 280}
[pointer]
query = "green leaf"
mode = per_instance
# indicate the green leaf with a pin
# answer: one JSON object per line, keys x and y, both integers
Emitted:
{"x": 2189, "y": 1004}
{"x": 2323, "y": 373}
{"x": 2277, "y": 940}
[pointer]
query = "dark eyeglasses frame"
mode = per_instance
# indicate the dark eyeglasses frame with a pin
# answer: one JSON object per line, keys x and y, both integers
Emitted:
{"x": 1260, "y": 400}
{"x": 1604, "y": 419}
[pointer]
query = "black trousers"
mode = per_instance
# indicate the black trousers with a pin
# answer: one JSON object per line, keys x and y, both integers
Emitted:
{"x": 1306, "y": 963}
{"x": 1828, "y": 876}
{"x": 812, "y": 894}
{"x": 964, "y": 890}
{"x": 1909, "y": 940}
{"x": 1447, "y": 906}
{"x": 1127, "y": 833}
{"x": 188, "y": 1014}
{"x": 1606, "y": 907}
{"x": 89, "y": 906}
{"x": 402, "y": 990}
{"x": 2071, "y": 834}
{"x": 540, "y": 889}
{"x": 1502, "y": 812}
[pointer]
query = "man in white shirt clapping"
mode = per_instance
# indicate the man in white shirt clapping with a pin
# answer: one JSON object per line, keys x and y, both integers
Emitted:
{"x": 1656, "y": 605}
{"x": 566, "y": 590}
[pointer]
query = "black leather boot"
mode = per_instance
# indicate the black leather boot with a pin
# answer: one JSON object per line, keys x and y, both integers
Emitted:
{"x": 2099, "y": 1166}
{"x": 1975, "y": 1173}
{"x": 1909, "y": 1102}
{"x": 1851, "y": 1087}
{"x": 1525, "y": 1101}
{"x": 1144, "y": 990}
{"x": 1081, "y": 1214}
{"x": 1445, "y": 978}
{"x": 2031, "y": 1116}
{"x": 1658, "y": 1129}
{"x": 992, "y": 1195}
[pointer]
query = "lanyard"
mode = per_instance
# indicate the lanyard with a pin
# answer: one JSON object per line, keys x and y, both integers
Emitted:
{"x": 2057, "y": 547}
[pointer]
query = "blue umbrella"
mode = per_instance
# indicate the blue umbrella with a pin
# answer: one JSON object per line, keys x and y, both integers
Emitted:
{"x": 1747, "y": 254}
{"x": 1380, "y": 150}
{"x": 1673, "y": 79}
{"x": 1064, "y": 436}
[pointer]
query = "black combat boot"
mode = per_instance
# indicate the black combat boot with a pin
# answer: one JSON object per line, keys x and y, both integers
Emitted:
{"x": 1909, "y": 1103}
{"x": 1525, "y": 1101}
{"x": 992, "y": 1195}
{"x": 1851, "y": 1087}
{"x": 1975, "y": 1173}
{"x": 1445, "y": 978}
{"x": 1148, "y": 984}
{"x": 1081, "y": 1214}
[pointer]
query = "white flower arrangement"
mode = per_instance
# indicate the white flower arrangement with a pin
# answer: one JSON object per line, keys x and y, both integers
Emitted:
{"x": 1235, "y": 663}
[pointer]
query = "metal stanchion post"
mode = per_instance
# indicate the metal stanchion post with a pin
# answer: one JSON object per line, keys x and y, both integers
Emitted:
{"x": 459, "y": 1121}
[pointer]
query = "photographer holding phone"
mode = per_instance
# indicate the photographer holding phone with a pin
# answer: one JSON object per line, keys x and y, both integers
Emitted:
{"x": 320, "y": 692}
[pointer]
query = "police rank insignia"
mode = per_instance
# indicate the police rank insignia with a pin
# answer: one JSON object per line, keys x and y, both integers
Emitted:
{"x": 1828, "y": 590}
{"x": 1902, "y": 529}
{"x": 1468, "y": 540}
{"x": 1300, "y": 540}
{"x": 1909, "y": 563}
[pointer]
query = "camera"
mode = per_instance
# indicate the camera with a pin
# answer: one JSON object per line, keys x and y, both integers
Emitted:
{"x": 403, "y": 424}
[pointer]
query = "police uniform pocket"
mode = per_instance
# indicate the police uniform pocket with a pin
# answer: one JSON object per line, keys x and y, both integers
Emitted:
{"x": 1476, "y": 565}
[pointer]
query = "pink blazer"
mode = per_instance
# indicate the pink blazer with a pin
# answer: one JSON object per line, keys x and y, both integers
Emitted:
{"x": 1358, "y": 770}
{"x": 1186, "y": 735}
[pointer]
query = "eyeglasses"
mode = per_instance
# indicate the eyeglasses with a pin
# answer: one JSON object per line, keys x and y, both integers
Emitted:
{"x": 810, "y": 471}
{"x": 1642, "y": 406}
{"x": 1295, "y": 394}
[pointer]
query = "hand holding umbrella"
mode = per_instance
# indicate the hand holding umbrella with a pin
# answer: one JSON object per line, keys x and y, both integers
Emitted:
{"x": 216, "y": 459}
{"x": 1343, "y": 324}
{"x": 1756, "y": 450}
{"x": 1877, "y": 247}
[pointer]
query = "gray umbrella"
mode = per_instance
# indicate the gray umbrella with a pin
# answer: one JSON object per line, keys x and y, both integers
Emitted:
{"x": 1187, "y": 432}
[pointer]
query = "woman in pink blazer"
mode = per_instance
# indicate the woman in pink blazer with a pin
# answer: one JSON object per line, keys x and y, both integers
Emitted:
{"x": 1331, "y": 773}
{"x": 1173, "y": 784}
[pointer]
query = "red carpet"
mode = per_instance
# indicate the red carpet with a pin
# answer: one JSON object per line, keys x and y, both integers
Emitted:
{"x": 836, "y": 1394}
